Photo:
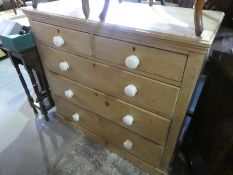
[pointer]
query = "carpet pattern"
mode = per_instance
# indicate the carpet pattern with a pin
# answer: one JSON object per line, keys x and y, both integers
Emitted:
{"x": 86, "y": 157}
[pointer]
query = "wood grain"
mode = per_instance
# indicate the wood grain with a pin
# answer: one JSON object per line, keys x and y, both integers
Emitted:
{"x": 158, "y": 22}
{"x": 143, "y": 148}
{"x": 171, "y": 55}
{"x": 112, "y": 81}
{"x": 74, "y": 40}
{"x": 154, "y": 61}
{"x": 112, "y": 147}
{"x": 145, "y": 123}
{"x": 191, "y": 76}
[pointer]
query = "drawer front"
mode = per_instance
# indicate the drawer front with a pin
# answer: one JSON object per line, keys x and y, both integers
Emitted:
{"x": 141, "y": 147}
{"x": 162, "y": 63}
{"x": 151, "y": 95}
{"x": 135, "y": 119}
{"x": 74, "y": 41}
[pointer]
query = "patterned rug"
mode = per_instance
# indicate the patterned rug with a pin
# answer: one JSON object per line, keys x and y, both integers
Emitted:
{"x": 86, "y": 157}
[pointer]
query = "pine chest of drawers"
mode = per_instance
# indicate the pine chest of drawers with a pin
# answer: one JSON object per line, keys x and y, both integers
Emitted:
{"x": 125, "y": 82}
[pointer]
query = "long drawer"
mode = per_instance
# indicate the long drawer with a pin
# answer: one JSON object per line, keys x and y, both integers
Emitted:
{"x": 154, "y": 61}
{"x": 121, "y": 137}
{"x": 152, "y": 95}
{"x": 74, "y": 41}
{"x": 129, "y": 116}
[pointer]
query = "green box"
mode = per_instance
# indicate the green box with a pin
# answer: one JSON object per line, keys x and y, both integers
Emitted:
{"x": 18, "y": 43}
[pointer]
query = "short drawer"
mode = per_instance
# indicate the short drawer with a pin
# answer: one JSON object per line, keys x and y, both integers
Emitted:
{"x": 119, "y": 136}
{"x": 129, "y": 116}
{"x": 62, "y": 38}
{"x": 158, "y": 62}
{"x": 146, "y": 93}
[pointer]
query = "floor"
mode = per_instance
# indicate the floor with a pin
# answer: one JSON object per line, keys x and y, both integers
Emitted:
{"x": 27, "y": 145}
{"x": 85, "y": 157}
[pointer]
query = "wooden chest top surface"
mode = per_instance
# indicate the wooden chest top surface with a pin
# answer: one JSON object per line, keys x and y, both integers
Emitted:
{"x": 163, "y": 22}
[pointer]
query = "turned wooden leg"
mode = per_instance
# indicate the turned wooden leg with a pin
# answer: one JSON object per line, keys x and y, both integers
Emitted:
{"x": 162, "y": 2}
{"x": 150, "y": 2}
{"x": 24, "y": 3}
{"x": 34, "y": 3}
{"x": 198, "y": 17}
{"x": 23, "y": 82}
{"x": 13, "y": 5}
{"x": 86, "y": 8}
{"x": 105, "y": 10}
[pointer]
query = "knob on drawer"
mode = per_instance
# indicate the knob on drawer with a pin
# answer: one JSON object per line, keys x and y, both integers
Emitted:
{"x": 130, "y": 90}
{"x": 76, "y": 117}
{"x": 69, "y": 93}
{"x": 128, "y": 119}
{"x": 128, "y": 144}
{"x": 64, "y": 66}
{"x": 58, "y": 41}
{"x": 132, "y": 62}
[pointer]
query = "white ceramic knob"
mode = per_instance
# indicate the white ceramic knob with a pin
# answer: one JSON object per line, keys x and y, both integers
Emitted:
{"x": 128, "y": 144}
{"x": 128, "y": 119}
{"x": 76, "y": 117}
{"x": 132, "y": 62}
{"x": 69, "y": 93}
{"x": 64, "y": 66}
{"x": 58, "y": 41}
{"x": 130, "y": 90}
